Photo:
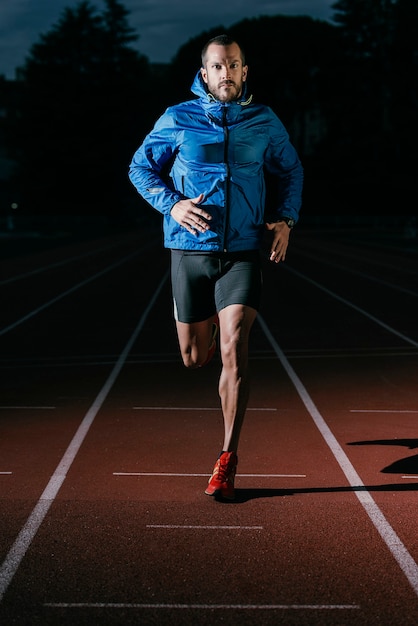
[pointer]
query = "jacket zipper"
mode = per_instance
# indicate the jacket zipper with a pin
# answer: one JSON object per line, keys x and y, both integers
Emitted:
{"x": 227, "y": 182}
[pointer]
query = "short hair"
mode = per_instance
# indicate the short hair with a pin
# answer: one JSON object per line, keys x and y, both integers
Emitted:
{"x": 222, "y": 40}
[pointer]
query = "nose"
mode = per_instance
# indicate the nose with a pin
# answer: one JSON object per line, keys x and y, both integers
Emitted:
{"x": 226, "y": 74}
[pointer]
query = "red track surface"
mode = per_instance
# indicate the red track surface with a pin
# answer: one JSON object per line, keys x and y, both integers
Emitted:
{"x": 107, "y": 441}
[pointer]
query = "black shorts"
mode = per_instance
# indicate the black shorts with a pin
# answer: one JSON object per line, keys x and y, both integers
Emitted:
{"x": 204, "y": 283}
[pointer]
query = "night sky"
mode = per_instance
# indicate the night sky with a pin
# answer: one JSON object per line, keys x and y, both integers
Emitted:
{"x": 163, "y": 26}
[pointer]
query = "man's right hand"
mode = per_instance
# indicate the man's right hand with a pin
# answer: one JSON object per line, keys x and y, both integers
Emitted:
{"x": 190, "y": 215}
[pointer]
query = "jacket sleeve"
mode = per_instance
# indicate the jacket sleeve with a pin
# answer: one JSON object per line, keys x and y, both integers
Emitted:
{"x": 283, "y": 162}
{"x": 148, "y": 170}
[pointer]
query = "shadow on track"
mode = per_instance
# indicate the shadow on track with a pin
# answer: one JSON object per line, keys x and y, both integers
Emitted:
{"x": 245, "y": 495}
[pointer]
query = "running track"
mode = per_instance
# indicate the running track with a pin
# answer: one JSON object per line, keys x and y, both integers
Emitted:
{"x": 107, "y": 441}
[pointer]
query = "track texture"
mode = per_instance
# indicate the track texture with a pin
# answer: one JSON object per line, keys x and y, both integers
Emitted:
{"x": 107, "y": 442}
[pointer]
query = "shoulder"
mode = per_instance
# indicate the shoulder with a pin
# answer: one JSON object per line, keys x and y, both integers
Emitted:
{"x": 181, "y": 107}
{"x": 263, "y": 110}
{"x": 178, "y": 111}
{"x": 262, "y": 114}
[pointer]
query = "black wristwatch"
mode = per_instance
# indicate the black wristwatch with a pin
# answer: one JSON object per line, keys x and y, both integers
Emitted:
{"x": 289, "y": 221}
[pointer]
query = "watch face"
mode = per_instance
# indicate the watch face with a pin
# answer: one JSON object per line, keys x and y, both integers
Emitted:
{"x": 289, "y": 221}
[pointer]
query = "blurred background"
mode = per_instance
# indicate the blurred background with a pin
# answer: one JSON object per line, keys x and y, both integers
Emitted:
{"x": 346, "y": 88}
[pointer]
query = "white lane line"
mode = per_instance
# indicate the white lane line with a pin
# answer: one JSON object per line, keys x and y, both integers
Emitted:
{"x": 367, "y": 260}
{"x": 193, "y": 408}
{"x": 382, "y": 411}
{"x": 346, "y": 354}
{"x": 389, "y": 536}
{"x": 370, "y": 277}
{"x": 5, "y": 473}
{"x": 222, "y": 607}
{"x": 409, "y": 476}
{"x": 29, "y": 530}
{"x": 27, "y": 408}
{"x": 205, "y": 475}
{"x": 205, "y": 527}
{"x": 45, "y": 268}
{"x": 107, "y": 269}
{"x": 412, "y": 342}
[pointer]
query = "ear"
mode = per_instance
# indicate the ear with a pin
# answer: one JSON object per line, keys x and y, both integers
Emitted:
{"x": 244, "y": 73}
{"x": 204, "y": 74}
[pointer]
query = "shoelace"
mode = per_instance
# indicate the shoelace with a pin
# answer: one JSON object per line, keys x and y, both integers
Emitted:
{"x": 224, "y": 471}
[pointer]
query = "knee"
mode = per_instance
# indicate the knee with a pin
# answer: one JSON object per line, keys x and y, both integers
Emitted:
{"x": 190, "y": 365}
{"x": 190, "y": 360}
{"x": 234, "y": 353}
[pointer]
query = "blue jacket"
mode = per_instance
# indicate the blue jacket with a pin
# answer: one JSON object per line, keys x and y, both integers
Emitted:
{"x": 220, "y": 150}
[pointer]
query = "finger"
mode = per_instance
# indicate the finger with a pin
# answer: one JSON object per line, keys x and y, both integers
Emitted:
{"x": 195, "y": 202}
{"x": 199, "y": 199}
{"x": 278, "y": 253}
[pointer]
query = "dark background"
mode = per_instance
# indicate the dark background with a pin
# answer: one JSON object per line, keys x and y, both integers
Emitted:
{"x": 347, "y": 92}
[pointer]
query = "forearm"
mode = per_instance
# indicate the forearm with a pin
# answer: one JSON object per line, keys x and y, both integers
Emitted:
{"x": 152, "y": 188}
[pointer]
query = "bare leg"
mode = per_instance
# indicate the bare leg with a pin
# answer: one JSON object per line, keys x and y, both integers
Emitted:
{"x": 235, "y": 324}
{"x": 194, "y": 340}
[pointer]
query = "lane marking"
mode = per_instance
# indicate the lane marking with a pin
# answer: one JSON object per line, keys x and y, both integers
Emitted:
{"x": 370, "y": 277}
{"x": 192, "y": 408}
{"x": 346, "y": 352}
{"x": 205, "y": 475}
{"x": 412, "y": 342}
{"x": 45, "y": 268}
{"x": 382, "y": 411}
{"x": 88, "y": 280}
{"x": 366, "y": 259}
{"x": 65, "y": 261}
{"x": 387, "y": 533}
{"x": 409, "y": 476}
{"x": 248, "y": 607}
{"x": 205, "y": 527}
{"x": 21, "y": 544}
{"x": 325, "y": 354}
{"x": 29, "y": 408}
{"x": 4, "y": 473}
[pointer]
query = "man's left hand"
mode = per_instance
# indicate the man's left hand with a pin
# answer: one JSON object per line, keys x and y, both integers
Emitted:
{"x": 280, "y": 240}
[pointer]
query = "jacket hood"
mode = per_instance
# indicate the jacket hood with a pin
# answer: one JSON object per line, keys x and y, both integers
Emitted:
{"x": 199, "y": 89}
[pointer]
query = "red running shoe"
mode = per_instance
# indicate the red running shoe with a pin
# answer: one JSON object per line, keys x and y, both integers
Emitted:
{"x": 221, "y": 483}
{"x": 212, "y": 346}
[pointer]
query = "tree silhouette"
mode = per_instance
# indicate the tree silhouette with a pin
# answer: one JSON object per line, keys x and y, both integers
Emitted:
{"x": 347, "y": 92}
{"x": 83, "y": 87}
{"x": 377, "y": 100}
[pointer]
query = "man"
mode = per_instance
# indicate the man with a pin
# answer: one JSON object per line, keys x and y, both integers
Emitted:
{"x": 217, "y": 146}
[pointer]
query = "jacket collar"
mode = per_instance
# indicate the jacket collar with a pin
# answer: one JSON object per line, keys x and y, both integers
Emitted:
{"x": 200, "y": 90}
